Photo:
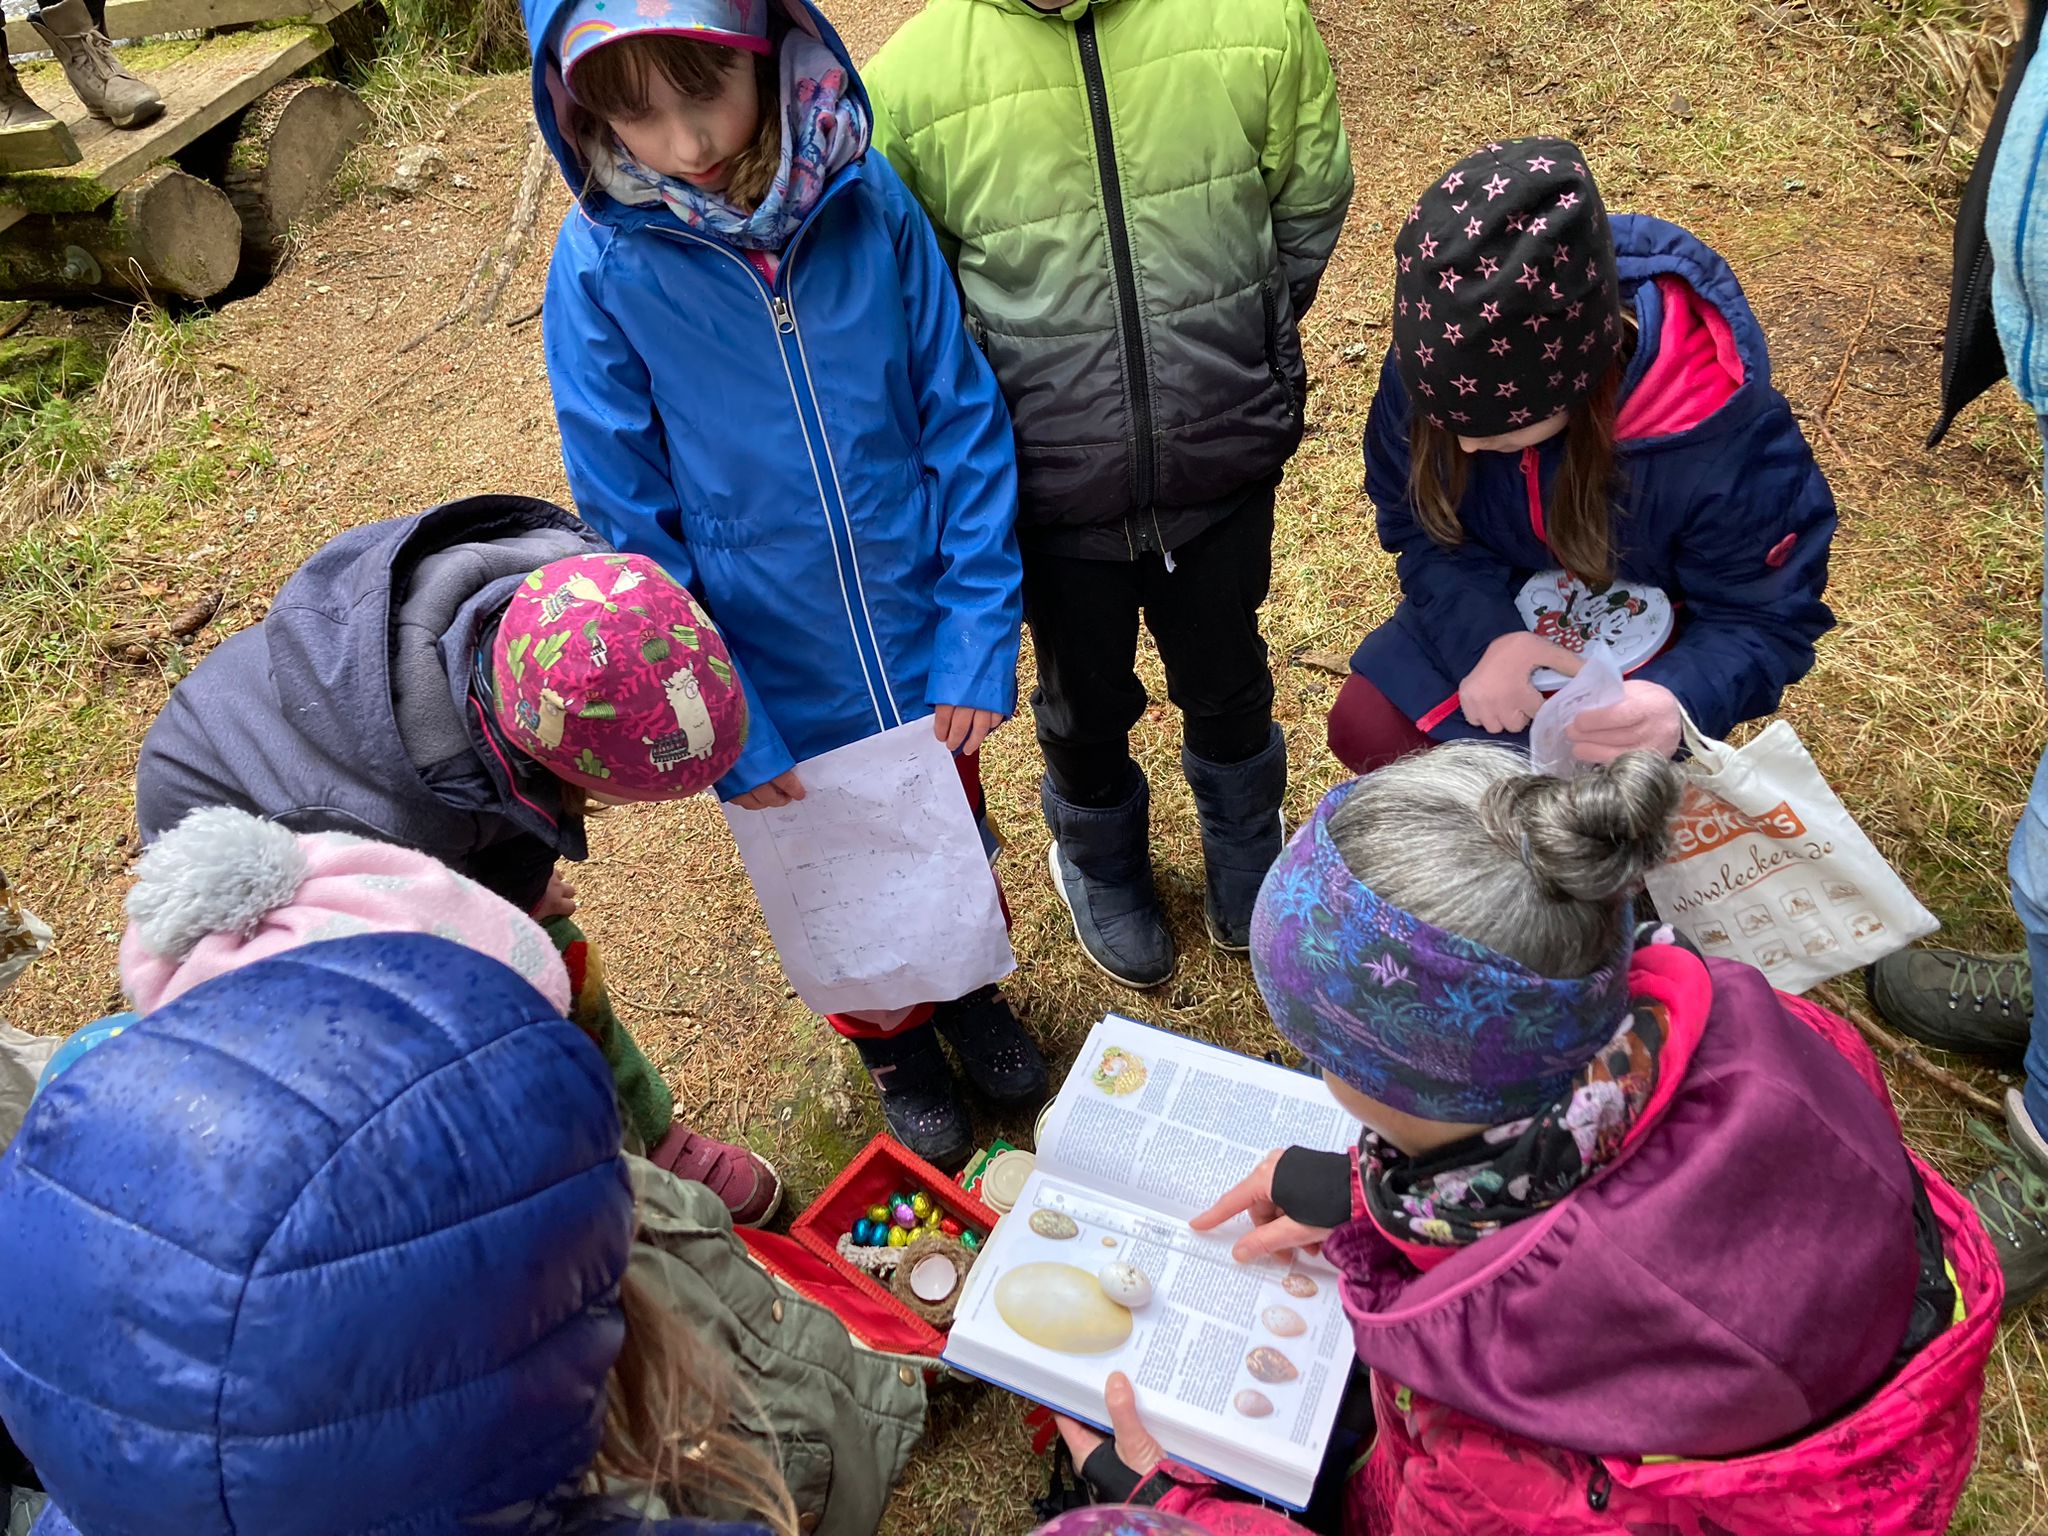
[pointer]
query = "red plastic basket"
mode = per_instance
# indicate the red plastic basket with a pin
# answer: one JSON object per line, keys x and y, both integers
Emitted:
{"x": 867, "y": 1307}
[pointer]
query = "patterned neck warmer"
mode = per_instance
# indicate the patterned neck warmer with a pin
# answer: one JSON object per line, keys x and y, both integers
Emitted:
{"x": 1458, "y": 1194}
{"x": 825, "y": 127}
{"x": 1415, "y": 1017}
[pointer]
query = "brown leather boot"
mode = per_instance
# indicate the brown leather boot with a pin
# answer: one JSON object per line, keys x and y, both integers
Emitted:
{"x": 106, "y": 88}
{"x": 30, "y": 139}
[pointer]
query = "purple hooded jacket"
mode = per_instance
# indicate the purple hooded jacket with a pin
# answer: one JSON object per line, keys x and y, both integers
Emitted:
{"x": 1744, "y": 1270}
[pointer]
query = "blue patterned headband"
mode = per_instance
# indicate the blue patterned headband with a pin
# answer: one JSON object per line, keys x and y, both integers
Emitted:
{"x": 1417, "y": 1018}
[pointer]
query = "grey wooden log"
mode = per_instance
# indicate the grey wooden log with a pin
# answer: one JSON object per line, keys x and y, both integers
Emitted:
{"x": 165, "y": 234}
{"x": 291, "y": 142}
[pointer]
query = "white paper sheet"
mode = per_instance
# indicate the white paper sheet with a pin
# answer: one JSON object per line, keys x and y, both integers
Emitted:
{"x": 875, "y": 885}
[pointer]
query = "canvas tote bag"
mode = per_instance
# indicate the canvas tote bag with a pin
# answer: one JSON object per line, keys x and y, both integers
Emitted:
{"x": 1767, "y": 866}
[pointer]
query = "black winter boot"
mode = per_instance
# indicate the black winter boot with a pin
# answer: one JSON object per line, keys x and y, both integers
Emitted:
{"x": 998, "y": 1057}
{"x": 1101, "y": 862}
{"x": 1239, "y": 808}
{"x": 919, "y": 1099}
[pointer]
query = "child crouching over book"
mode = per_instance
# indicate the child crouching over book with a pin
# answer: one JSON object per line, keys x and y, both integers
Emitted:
{"x": 1631, "y": 1240}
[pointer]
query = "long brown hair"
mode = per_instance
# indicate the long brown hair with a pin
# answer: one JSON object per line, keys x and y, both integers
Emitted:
{"x": 672, "y": 1425}
{"x": 1578, "y": 522}
{"x": 611, "y": 82}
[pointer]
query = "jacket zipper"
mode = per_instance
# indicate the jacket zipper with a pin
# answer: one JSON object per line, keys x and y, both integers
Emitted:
{"x": 782, "y": 314}
{"x": 1142, "y": 489}
{"x": 1271, "y": 296}
{"x": 1532, "y": 478}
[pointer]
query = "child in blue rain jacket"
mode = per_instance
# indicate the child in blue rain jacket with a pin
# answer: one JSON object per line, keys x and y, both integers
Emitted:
{"x": 763, "y": 381}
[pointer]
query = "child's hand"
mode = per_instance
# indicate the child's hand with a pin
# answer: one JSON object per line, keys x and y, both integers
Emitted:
{"x": 559, "y": 900}
{"x": 1497, "y": 695}
{"x": 963, "y": 729}
{"x": 1135, "y": 1447}
{"x": 1647, "y": 719}
{"x": 1272, "y": 1231}
{"x": 783, "y": 789}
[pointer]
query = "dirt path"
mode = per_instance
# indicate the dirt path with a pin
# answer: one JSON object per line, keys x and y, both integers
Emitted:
{"x": 1760, "y": 128}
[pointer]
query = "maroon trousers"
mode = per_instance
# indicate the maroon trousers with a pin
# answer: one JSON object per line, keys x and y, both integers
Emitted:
{"x": 1367, "y": 731}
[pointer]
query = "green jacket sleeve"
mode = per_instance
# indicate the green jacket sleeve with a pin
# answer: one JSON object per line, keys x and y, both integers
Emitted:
{"x": 888, "y": 138}
{"x": 1307, "y": 160}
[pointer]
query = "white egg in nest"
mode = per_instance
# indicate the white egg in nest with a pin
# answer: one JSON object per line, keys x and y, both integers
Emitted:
{"x": 1125, "y": 1284}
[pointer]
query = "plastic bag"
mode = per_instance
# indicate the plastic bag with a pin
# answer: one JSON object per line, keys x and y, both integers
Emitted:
{"x": 1767, "y": 866}
{"x": 1596, "y": 685}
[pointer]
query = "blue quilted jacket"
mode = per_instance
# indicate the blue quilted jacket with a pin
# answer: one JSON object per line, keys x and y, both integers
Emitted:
{"x": 231, "y": 1305}
{"x": 824, "y": 460}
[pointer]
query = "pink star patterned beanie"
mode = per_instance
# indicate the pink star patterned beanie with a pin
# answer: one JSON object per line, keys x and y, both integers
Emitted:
{"x": 1507, "y": 309}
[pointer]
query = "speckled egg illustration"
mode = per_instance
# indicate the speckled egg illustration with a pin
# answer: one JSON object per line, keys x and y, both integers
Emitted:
{"x": 1283, "y": 1321}
{"x": 1054, "y": 1224}
{"x": 1125, "y": 1284}
{"x": 1298, "y": 1284}
{"x": 1265, "y": 1363}
{"x": 1061, "y": 1308}
{"x": 1252, "y": 1403}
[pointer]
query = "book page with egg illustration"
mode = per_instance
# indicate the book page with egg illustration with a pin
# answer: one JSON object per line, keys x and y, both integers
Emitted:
{"x": 1239, "y": 1368}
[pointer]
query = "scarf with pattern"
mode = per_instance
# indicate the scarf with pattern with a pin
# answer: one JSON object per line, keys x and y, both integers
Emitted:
{"x": 1460, "y": 1193}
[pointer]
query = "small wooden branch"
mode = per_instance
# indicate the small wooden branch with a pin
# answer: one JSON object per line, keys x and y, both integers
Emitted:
{"x": 1907, "y": 1054}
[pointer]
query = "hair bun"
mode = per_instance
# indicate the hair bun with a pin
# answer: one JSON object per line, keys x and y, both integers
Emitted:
{"x": 219, "y": 870}
{"x": 1593, "y": 837}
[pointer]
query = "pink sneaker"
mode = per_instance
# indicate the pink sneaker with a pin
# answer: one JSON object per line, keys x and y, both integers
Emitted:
{"x": 750, "y": 1189}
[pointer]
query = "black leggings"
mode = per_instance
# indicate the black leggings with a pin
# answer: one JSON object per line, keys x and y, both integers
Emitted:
{"x": 1204, "y": 615}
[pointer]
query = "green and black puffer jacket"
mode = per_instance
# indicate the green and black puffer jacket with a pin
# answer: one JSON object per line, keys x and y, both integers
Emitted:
{"x": 1139, "y": 197}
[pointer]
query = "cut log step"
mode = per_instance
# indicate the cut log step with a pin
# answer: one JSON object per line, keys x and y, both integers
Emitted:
{"x": 290, "y": 144}
{"x": 37, "y": 147}
{"x": 165, "y": 234}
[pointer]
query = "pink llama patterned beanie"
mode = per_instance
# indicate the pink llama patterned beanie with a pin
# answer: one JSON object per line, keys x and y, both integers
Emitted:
{"x": 224, "y": 888}
{"x": 607, "y": 673}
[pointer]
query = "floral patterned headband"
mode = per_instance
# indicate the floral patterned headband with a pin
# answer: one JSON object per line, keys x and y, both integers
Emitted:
{"x": 1408, "y": 1014}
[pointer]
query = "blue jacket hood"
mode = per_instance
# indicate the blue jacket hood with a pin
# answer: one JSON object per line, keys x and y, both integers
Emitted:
{"x": 347, "y": 709}
{"x": 550, "y": 96}
{"x": 331, "y": 1245}
{"x": 1647, "y": 248}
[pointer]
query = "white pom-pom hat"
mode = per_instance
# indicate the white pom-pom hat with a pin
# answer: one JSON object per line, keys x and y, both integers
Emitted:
{"x": 224, "y": 888}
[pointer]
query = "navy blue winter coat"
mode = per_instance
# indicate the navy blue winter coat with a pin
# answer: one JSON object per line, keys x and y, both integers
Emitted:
{"x": 348, "y": 708}
{"x": 232, "y": 1302}
{"x": 824, "y": 460}
{"x": 1732, "y": 518}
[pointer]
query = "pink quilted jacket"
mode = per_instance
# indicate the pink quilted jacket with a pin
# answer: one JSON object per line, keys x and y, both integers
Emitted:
{"x": 1893, "y": 1467}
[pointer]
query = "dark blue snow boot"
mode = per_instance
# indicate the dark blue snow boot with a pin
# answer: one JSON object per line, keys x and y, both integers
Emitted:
{"x": 1101, "y": 862}
{"x": 1239, "y": 808}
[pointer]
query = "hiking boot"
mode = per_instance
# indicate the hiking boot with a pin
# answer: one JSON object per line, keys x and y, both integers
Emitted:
{"x": 747, "y": 1186}
{"x": 2027, "y": 1136}
{"x": 1238, "y": 805}
{"x": 998, "y": 1057}
{"x": 102, "y": 83}
{"x": 1101, "y": 863}
{"x": 1956, "y": 1001}
{"x": 920, "y": 1100}
{"x": 30, "y": 139}
{"x": 2011, "y": 1197}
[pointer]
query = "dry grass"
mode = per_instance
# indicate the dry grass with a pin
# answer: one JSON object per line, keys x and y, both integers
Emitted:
{"x": 1782, "y": 134}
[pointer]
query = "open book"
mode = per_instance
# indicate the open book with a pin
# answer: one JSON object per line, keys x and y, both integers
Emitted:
{"x": 1239, "y": 1367}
